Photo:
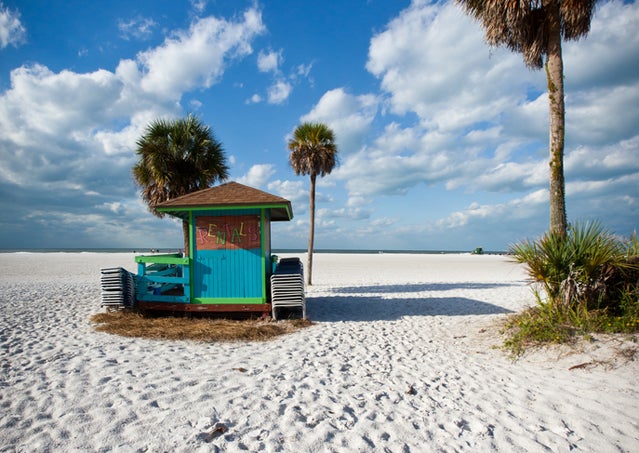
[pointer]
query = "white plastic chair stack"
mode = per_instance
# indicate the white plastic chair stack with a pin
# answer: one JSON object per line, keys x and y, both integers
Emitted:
{"x": 287, "y": 288}
{"x": 118, "y": 287}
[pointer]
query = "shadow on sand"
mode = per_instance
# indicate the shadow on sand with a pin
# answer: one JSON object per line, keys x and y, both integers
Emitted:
{"x": 362, "y": 307}
{"x": 419, "y": 287}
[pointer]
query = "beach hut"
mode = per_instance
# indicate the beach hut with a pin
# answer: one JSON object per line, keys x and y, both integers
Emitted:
{"x": 230, "y": 262}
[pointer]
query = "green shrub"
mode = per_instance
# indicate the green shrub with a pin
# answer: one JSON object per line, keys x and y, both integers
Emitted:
{"x": 587, "y": 282}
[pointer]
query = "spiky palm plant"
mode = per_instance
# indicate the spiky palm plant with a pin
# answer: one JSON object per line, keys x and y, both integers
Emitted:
{"x": 589, "y": 266}
{"x": 176, "y": 157}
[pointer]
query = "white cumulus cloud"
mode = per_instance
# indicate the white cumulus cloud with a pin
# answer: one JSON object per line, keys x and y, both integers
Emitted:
{"x": 349, "y": 116}
{"x": 269, "y": 61}
{"x": 257, "y": 176}
{"x": 12, "y": 32}
{"x": 197, "y": 57}
{"x": 279, "y": 92}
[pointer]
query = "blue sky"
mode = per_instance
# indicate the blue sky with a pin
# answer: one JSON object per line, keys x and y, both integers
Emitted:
{"x": 442, "y": 140}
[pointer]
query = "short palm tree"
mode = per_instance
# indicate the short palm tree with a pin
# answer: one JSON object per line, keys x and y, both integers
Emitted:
{"x": 535, "y": 28}
{"x": 313, "y": 152}
{"x": 177, "y": 157}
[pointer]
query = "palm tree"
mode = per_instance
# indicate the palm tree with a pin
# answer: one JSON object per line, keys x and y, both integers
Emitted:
{"x": 535, "y": 28}
{"x": 313, "y": 152}
{"x": 177, "y": 157}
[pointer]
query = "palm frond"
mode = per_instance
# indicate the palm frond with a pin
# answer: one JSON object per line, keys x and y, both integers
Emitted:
{"x": 313, "y": 149}
{"x": 522, "y": 25}
{"x": 177, "y": 157}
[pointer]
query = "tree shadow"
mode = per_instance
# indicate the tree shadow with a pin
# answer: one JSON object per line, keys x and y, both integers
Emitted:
{"x": 373, "y": 307}
{"x": 419, "y": 287}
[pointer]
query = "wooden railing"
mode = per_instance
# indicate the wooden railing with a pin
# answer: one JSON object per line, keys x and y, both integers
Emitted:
{"x": 162, "y": 274}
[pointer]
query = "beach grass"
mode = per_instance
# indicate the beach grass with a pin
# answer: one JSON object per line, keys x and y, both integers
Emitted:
{"x": 130, "y": 323}
{"x": 546, "y": 324}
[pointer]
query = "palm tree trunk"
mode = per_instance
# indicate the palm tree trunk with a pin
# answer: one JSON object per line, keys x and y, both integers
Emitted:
{"x": 555, "y": 72}
{"x": 185, "y": 232}
{"x": 311, "y": 232}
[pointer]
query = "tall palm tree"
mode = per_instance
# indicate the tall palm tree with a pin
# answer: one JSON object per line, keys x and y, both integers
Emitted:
{"x": 535, "y": 29}
{"x": 177, "y": 157}
{"x": 313, "y": 152}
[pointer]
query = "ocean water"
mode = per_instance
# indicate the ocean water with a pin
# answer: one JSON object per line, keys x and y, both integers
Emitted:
{"x": 89, "y": 250}
{"x": 143, "y": 250}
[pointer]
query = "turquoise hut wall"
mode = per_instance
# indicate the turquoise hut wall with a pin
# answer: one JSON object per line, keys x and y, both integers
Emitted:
{"x": 231, "y": 256}
{"x": 225, "y": 277}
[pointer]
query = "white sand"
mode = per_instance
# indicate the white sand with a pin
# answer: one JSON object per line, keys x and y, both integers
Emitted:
{"x": 400, "y": 359}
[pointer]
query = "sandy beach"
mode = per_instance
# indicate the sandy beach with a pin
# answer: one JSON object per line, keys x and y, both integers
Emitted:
{"x": 402, "y": 357}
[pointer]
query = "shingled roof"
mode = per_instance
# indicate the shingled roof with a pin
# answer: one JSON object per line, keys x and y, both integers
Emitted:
{"x": 231, "y": 195}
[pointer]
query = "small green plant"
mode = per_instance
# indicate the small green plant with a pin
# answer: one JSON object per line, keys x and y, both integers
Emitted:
{"x": 587, "y": 281}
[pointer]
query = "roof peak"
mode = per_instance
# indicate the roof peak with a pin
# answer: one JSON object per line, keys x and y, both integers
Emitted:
{"x": 229, "y": 194}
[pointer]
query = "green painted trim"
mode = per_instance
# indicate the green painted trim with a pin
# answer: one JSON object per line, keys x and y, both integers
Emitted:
{"x": 263, "y": 240}
{"x": 191, "y": 232}
{"x": 229, "y": 300}
{"x": 162, "y": 259}
{"x": 222, "y": 208}
{"x": 192, "y": 253}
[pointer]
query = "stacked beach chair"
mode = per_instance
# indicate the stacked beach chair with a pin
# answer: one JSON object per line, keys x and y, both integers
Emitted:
{"x": 287, "y": 289}
{"x": 118, "y": 288}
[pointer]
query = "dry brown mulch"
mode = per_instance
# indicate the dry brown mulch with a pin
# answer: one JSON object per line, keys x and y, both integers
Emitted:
{"x": 134, "y": 324}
